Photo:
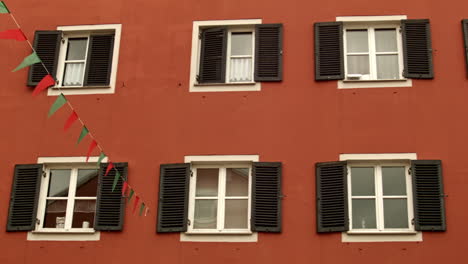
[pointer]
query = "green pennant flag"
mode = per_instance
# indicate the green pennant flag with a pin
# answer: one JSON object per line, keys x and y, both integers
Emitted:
{"x": 59, "y": 102}
{"x": 116, "y": 179}
{"x": 142, "y": 207}
{"x": 28, "y": 61}
{"x": 101, "y": 157}
{"x": 3, "y": 8}
{"x": 83, "y": 134}
{"x": 131, "y": 195}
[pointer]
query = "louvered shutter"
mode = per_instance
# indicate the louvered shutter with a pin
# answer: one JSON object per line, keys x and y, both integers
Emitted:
{"x": 268, "y": 52}
{"x": 417, "y": 49}
{"x": 329, "y": 63}
{"x": 428, "y": 195}
{"x": 465, "y": 38}
{"x": 47, "y": 46}
{"x": 332, "y": 197}
{"x": 213, "y": 55}
{"x": 110, "y": 205}
{"x": 24, "y": 197}
{"x": 266, "y": 197}
{"x": 99, "y": 61}
{"x": 173, "y": 197}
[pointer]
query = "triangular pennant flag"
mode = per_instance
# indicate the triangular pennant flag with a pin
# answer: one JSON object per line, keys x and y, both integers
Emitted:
{"x": 109, "y": 167}
{"x": 101, "y": 157}
{"x": 146, "y": 211}
{"x": 124, "y": 188}
{"x": 28, "y": 61}
{"x": 116, "y": 179}
{"x": 137, "y": 198}
{"x": 45, "y": 83}
{"x": 142, "y": 207}
{"x": 71, "y": 119}
{"x": 84, "y": 132}
{"x": 3, "y": 8}
{"x": 132, "y": 192}
{"x": 59, "y": 102}
{"x": 90, "y": 149}
{"x": 15, "y": 34}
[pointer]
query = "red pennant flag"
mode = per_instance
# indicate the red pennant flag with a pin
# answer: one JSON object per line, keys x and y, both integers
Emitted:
{"x": 109, "y": 167}
{"x": 71, "y": 119}
{"x": 135, "y": 203}
{"x": 91, "y": 147}
{"x": 124, "y": 188}
{"x": 45, "y": 83}
{"x": 15, "y": 34}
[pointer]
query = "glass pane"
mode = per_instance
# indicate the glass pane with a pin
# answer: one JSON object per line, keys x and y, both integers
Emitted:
{"x": 387, "y": 67}
{"x": 385, "y": 40}
{"x": 207, "y": 182}
{"x": 240, "y": 70}
{"x": 364, "y": 214}
{"x": 77, "y": 49}
{"x": 59, "y": 183}
{"x": 362, "y": 181}
{"x": 83, "y": 213}
{"x": 55, "y": 214}
{"x": 73, "y": 75}
{"x": 237, "y": 182}
{"x": 236, "y": 214}
{"x": 357, "y": 40}
{"x": 87, "y": 183}
{"x": 396, "y": 213}
{"x": 241, "y": 43}
{"x": 358, "y": 64}
{"x": 394, "y": 180}
{"x": 205, "y": 214}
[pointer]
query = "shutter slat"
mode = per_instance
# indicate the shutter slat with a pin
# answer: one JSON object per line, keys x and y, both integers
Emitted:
{"x": 47, "y": 46}
{"x": 268, "y": 52}
{"x": 329, "y": 64}
{"x": 213, "y": 55}
{"x": 417, "y": 49}
{"x": 110, "y": 205}
{"x": 99, "y": 62}
{"x": 24, "y": 197}
{"x": 428, "y": 193}
{"x": 332, "y": 199}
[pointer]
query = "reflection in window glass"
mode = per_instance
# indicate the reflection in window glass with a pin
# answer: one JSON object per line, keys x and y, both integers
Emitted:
{"x": 59, "y": 183}
{"x": 87, "y": 182}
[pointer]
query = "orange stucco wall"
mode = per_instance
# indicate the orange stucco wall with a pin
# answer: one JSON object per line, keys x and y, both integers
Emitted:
{"x": 153, "y": 119}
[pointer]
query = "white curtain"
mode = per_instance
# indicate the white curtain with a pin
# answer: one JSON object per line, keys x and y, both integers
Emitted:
{"x": 240, "y": 70}
{"x": 73, "y": 74}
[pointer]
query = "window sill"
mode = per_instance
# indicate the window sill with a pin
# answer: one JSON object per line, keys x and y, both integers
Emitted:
{"x": 70, "y": 235}
{"x": 219, "y": 237}
{"x": 388, "y": 236}
{"x": 77, "y": 90}
{"x": 353, "y": 84}
{"x": 225, "y": 87}
{"x": 65, "y": 231}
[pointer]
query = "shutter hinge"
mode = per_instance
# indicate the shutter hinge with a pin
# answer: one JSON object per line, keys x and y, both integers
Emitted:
{"x": 38, "y": 222}
{"x": 191, "y": 173}
{"x": 189, "y": 222}
{"x": 409, "y": 171}
{"x": 200, "y": 35}
{"x": 400, "y": 30}
{"x": 198, "y": 78}
{"x": 412, "y": 221}
{"x": 44, "y": 174}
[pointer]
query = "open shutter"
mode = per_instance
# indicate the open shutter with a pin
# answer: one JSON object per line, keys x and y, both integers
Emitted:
{"x": 110, "y": 206}
{"x": 47, "y": 46}
{"x": 266, "y": 197}
{"x": 465, "y": 38}
{"x": 213, "y": 55}
{"x": 268, "y": 52}
{"x": 329, "y": 64}
{"x": 173, "y": 197}
{"x": 428, "y": 193}
{"x": 332, "y": 197}
{"x": 417, "y": 49}
{"x": 24, "y": 197}
{"x": 99, "y": 62}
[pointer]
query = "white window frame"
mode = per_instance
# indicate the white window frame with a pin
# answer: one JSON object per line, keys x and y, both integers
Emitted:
{"x": 81, "y": 32}
{"x": 370, "y": 23}
{"x": 381, "y": 235}
{"x": 243, "y": 25}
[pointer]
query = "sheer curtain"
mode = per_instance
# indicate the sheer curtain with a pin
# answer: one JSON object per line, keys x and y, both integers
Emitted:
{"x": 73, "y": 74}
{"x": 241, "y": 70}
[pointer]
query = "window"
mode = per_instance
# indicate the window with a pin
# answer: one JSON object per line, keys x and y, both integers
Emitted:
{"x": 83, "y": 59}
{"x": 235, "y": 55}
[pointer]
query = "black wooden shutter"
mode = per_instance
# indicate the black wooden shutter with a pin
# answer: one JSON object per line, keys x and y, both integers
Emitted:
{"x": 99, "y": 61}
{"x": 266, "y": 197}
{"x": 213, "y": 55}
{"x": 24, "y": 197}
{"x": 417, "y": 49}
{"x": 329, "y": 64}
{"x": 268, "y": 52}
{"x": 110, "y": 206}
{"x": 173, "y": 197}
{"x": 47, "y": 46}
{"x": 332, "y": 197}
{"x": 428, "y": 193}
{"x": 465, "y": 38}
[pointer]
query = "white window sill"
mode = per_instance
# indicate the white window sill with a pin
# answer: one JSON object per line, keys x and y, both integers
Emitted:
{"x": 77, "y": 90}
{"x": 226, "y": 87}
{"x": 217, "y": 237}
{"x": 388, "y": 236}
{"x": 63, "y": 235}
{"x": 353, "y": 84}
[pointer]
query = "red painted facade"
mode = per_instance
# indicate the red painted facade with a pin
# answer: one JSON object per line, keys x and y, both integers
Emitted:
{"x": 153, "y": 119}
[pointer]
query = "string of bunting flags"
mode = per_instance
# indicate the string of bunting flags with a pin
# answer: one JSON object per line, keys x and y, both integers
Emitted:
{"x": 48, "y": 81}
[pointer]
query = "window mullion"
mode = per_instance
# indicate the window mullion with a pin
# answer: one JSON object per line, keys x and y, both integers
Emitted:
{"x": 221, "y": 197}
{"x": 372, "y": 54}
{"x": 71, "y": 198}
{"x": 379, "y": 199}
